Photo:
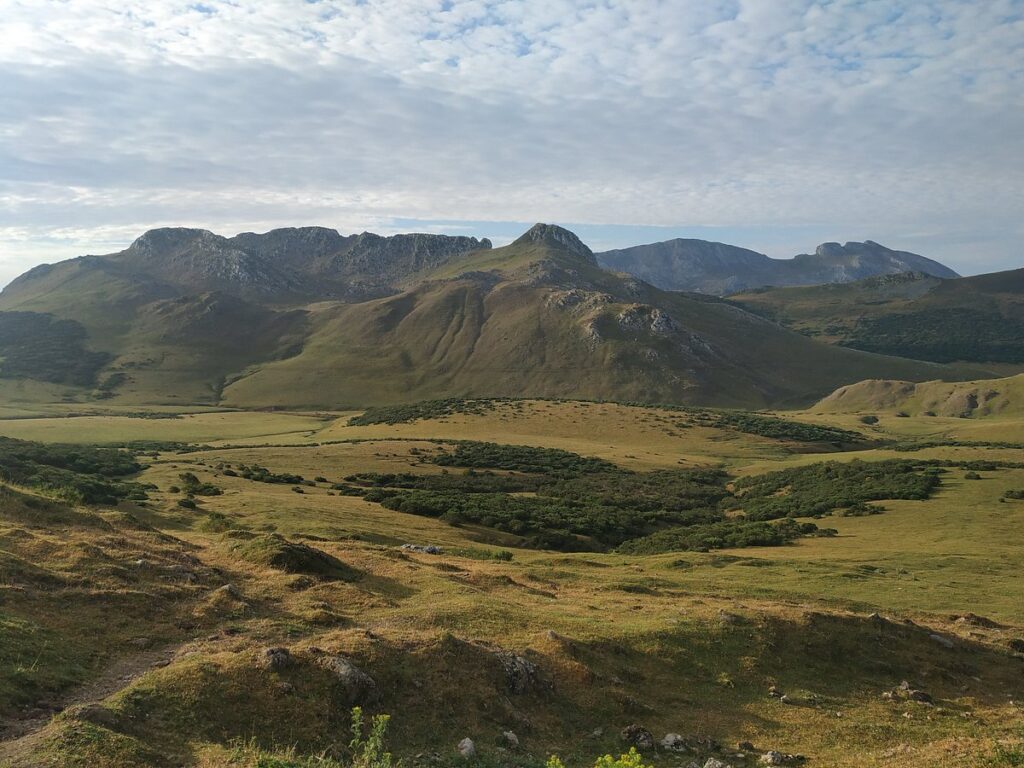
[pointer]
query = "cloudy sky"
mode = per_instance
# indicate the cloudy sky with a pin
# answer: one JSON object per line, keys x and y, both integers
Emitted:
{"x": 773, "y": 124}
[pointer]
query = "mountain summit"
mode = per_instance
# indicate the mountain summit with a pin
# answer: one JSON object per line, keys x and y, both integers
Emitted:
{"x": 720, "y": 269}
{"x": 556, "y": 237}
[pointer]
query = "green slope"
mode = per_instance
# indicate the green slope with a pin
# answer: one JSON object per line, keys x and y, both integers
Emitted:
{"x": 978, "y": 319}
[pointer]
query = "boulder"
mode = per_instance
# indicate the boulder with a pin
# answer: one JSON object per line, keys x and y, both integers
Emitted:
{"x": 674, "y": 743}
{"x": 357, "y": 687}
{"x": 511, "y": 740}
{"x": 638, "y": 736}
{"x": 467, "y": 748}
{"x": 1017, "y": 645}
{"x": 276, "y": 659}
{"x": 521, "y": 674}
{"x": 714, "y": 762}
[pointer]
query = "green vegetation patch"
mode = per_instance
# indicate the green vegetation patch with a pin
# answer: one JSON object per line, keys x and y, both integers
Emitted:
{"x": 427, "y": 409}
{"x": 819, "y": 489}
{"x": 723, "y": 535}
{"x": 77, "y": 473}
{"x": 942, "y": 335}
{"x": 39, "y": 346}
{"x": 519, "y": 458}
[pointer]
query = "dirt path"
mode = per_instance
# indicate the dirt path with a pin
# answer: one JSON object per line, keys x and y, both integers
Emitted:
{"x": 17, "y": 733}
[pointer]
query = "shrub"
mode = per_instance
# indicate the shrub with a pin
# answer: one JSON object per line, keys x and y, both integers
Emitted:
{"x": 869, "y": 419}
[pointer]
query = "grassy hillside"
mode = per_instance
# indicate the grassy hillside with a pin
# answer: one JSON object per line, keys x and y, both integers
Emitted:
{"x": 979, "y": 319}
{"x": 964, "y": 399}
{"x": 159, "y": 656}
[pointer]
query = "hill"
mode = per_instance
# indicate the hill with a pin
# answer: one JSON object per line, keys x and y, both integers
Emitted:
{"x": 185, "y": 316}
{"x": 963, "y": 399}
{"x": 720, "y": 269}
{"x": 978, "y": 319}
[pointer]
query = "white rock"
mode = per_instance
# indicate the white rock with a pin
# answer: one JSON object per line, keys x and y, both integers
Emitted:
{"x": 467, "y": 748}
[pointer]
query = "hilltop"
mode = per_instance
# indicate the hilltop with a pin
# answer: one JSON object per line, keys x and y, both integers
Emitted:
{"x": 720, "y": 269}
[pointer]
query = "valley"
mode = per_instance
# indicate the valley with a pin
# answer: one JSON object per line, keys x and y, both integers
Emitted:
{"x": 137, "y": 632}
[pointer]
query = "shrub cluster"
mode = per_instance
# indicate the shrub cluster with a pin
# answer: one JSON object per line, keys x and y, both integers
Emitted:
{"x": 818, "y": 489}
{"x": 77, "y": 473}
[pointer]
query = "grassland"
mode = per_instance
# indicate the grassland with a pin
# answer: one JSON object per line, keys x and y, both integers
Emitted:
{"x": 684, "y": 642}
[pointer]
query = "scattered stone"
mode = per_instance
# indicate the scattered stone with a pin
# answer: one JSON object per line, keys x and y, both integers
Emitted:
{"x": 230, "y": 590}
{"x": 921, "y": 696}
{"x": 714, "y": 762}
{"x": 638, "y": 736}
{"x": 775, "y": 693}
{"x": 429, "y": 549}
{"x": 511, "y": 739}
{"x": 276, "y": 659}
{"x": 675, "y": 743}
{"x": 773, "y": 757}
{"x": 467, "y": 748}
{"x": 945, "y": 642}
{"x": 358, "y": 687}
{"x": 785, "y": 699}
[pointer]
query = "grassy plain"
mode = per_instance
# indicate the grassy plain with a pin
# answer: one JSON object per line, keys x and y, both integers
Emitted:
{"x": 686, "y": 642}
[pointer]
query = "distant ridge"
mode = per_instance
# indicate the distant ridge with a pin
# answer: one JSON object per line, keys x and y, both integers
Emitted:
{"x": 720, "y": 269}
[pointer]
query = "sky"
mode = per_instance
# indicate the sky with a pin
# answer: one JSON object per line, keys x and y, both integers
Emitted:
{"x": 770, "y": 124}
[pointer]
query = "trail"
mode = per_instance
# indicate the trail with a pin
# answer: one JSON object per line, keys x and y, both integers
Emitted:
{"x": 19, "y": 732}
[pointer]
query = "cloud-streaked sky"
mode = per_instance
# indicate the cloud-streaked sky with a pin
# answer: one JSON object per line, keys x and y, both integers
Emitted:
{"x": 772, "y": 124}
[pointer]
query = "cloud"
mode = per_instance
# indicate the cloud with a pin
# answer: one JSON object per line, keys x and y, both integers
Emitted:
{"x": 902, "y": 122}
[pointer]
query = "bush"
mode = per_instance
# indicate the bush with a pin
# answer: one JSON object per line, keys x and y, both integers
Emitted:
{"x": 869, "y": 419}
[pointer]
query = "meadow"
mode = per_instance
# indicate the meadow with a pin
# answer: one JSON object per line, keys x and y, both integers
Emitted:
{"x": 136, "y": 632}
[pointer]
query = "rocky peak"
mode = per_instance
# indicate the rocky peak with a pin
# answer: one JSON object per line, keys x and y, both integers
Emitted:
{"x": 168, "y": 240}
{"x": 557, "y": 237}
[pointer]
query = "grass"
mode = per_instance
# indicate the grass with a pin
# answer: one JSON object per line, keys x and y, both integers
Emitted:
{"x": 616, "y": 638}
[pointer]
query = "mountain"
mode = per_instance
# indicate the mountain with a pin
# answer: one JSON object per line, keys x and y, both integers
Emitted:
{"x": 976, "y": 319}
{"x": 962, "y": 399}
{"x": 189, "y": 316}
{"x": 282, "y": 266}
{"x": 720, "y": 269}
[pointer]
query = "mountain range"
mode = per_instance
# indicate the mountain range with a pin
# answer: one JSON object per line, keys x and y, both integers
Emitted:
{"x": 720, "y": 269}
{"x": 310, "y": 318}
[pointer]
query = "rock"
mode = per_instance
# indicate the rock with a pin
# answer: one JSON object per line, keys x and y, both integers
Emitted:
{"x": 638, "y": 736}
{"x": 428, "y": 549}
{"x": 773, "y": 757}
{"x": 1017, "y": 644}
{"x": 920, "y": 696}
{"x": 729, "y": 618}
{"x": 774, "y": 692}
{"x": 675, "y": 743}
{"x": 945, "y": 642}
{"x": 230, "y": 590}
{"x": 511, "y": 739}
{"x": 358, "y": 688}
{"x": 746, "y": 746}
{"x": 520, "y": 674}
{"x": 276, "y": 659}
{"x": 467, "y": 748}
{"x": 714, "y": 762}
